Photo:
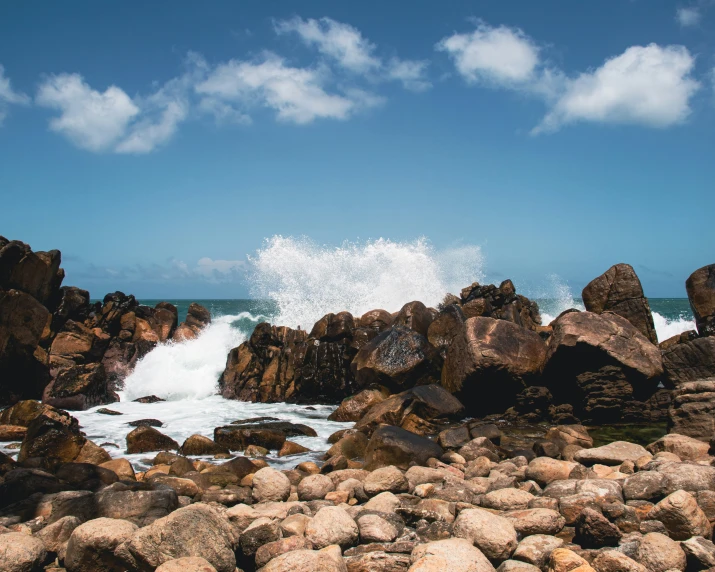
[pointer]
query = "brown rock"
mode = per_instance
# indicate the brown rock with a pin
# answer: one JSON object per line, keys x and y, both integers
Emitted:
{"x": 290, "y": 448}
{"x": 689, "y": 359}
{"x": 701, "y": 293}
{"x": 200, "y": 445}
{"x": 692, "y": 411}
{"x": 144, "y": 439}
{"x": 12, "y": 432}
{"x": 353, "y": 408}
{"x": 416, "y": 316}
{"x": 395, "y": 446}
{"x": 237, "y": 438}
{"x": 92, "y": 544}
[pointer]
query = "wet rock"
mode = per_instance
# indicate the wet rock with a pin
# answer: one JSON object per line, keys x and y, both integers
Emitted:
{"x": 619, "y": 290}
{"x": 144, "y": 439}
{"x": 332, "y": 525}
{"x": 92, "y": 544}
{"x": 353, "y": 408}
{"x": 500, "y": 302}
{"x": 121, "y": 467}
{"x": 490, "y": 362}
{"x": 105, "y": 411}
{"x": 21, "y": 553}
{"x": 145, "y": 423}
{"x": 200, "y": 445}
{"x": 352, "y": 446}
{"x": 658, "y": 553}
{"x": 270, "y": 485}
{"x": 494, "y": 535}
{"x": 394, "y": 446}
{"x": 148, "y": 399}
{"x": 80, "y": 387}
{"x": 197, "y": 318}
{"x": 290, "y": 448}
{"x": 237, "y": 438}
{"x": 701, "y": 293}
{"x": 415, "y": 316}
{"x": 52, "y": 435}
{"x": 446, "y": 327}
{"x": 682, "y": 517}
{"x": 12, "y": 432}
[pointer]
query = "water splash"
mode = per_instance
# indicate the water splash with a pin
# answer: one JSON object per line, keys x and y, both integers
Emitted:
{"x": 666, "y": 328}
{"x": 307, "y": 280}
{"x": 557, "y": 298}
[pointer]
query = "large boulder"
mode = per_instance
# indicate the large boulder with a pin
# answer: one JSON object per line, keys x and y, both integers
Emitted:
{"x": 21, "y": 553}
{"x": 92, "y": 544}
{"x": 682, "y": 517}
{"x": 353, "y": 408}
{"x": 692, "y": 410}
{"x": 500, "y": 302}
{"x": 701, "y": 293}
{"x": 53, "y": 435}
{"x": 395, "y": 446}
{"x": 490, "y": 361}
{"x": 35, "y": 273}
{"x": 398, "y": 358}
{"x": 453, "y": 554}
{"x": 416, "y": 316}
{"x": 80, "y": 387}
{"x": 332, "y": 525}
{"x": 603, "y": 366}
{"x": 144, "y": 439}
{"x": 445, "y": 327}
{"x": 197, "y": 318}
{"x": 688, "y": 358}
{"x": 619, "y": 290}
{"x": 494, "y": 535}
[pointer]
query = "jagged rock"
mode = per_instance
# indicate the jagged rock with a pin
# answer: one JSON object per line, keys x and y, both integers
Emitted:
{"x": 415, "y": 316}
{"x": 80, "y": 387}
{"x": 692, "y": 410}
{"x": 701, "y": 293}
{"x": 619, "y": 290}
{"x": 54, "y": 434}
{"x": 144, "y": 439}
{"x": 353, "y": 408}
{"x": 593, "y": 530}
{"x": 395, "y": 446}
{"x": 490, "y": 361}
{"x": 446, "y": 327}
{"x": 500, "y": 302}
{"x": 197, "y": 318}
{"x": 689, "y": 359}
{"x": 700, "y": 552}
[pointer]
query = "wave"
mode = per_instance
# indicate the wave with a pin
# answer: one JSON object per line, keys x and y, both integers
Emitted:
{"x": 667, "y": 328}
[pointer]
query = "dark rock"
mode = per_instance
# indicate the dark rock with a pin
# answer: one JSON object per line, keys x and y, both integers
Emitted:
{"x": 80, "y": 387}
{"x": 593, "y": 530}
{"x": 353, "y": 408}
{"x": 200, "y": 445}
{"x": 377, "y": 320}
{"x": 334, "y": 327}
{"x": 105, "y": 411}
{"x": 35, "y": 273}
{"x": 445, "y": 327}
{"x": 619, "y": 290}
{"x": 701, "y": 293}
{"x": 53, "y": 435}
{"x": 197, "y": 318}
{"x": 415, "y": 316}
{"x": 689, "y": 359}
{"x": 148, "y": 399}
{"x": 286, "y": 427}
{"x": 145, "y": 423}
{"x": 237, "y": 439}
{"x": 692, "y": 410}
{"x": 501, "y": 302}
{"x": 395, "y": 446}
{"x": 144, "y": 439}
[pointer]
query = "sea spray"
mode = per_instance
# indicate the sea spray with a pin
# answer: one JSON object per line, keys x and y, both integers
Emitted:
{"x": 307, "y": 281}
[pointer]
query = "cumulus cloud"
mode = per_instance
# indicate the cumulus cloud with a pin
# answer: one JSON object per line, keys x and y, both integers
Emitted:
{"x": 688, "y": 16}
{"x": 645, "y": 85}
{"x": 412, "y": 73}
{"x": 8, "y": 95}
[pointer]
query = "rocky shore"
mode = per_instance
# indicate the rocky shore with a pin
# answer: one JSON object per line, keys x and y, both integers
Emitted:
{"x": 472, "y": 447}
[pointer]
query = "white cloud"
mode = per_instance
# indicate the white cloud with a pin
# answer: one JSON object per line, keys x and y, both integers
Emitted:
{"x": 222, "y": 112}
{"x": 688, "y": 17}
{"x": 501, "y": 56}
{"x": 339, "y": 41}
{"x": 645, "y": 85}
{"x": 8, "y": 95}
{"x": 210, "y": 268}
{"x": 410, "y": 72}
{"x": 297, "y": 94}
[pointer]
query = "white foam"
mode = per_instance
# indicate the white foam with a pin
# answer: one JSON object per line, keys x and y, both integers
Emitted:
{"x": 666, "y": 328}
{"x": 557, "y": 299}
{"x": 307, "y": 280}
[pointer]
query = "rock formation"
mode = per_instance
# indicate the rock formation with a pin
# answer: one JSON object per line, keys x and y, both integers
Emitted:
{"x": 701, "y": 293}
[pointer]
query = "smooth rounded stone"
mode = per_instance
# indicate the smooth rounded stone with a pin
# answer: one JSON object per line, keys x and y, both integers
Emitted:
{"x": 507, "y": 499}
{"x": 536, "y": 549}
{"x": 593, "y": 530}
{"x": 271, "y": 550}
{"x": 314, "y": 487}
{"x": 195, "y": 530}
{"x": 385, "y": 479}
{"x": 201, "y": 445}
{"x": 686, "y": 448}
{"x": 423, "y": 475}
{"x": 377, "y": 561}
{"x": 270, "y": 485}
{"x": 325, "y": 560}
{"x": 332, "y": 525}
{"x": 494, "y": 535}
{"x": 354, "y": 489}
{"x": 517, "y": 566}
{"x": 291, "y": 448}
{"x": 645, "y": 485}
{"x": 396, "y": 446}
{"x": 700, "y": 552}
{"x": 92, "y": 544}
{"x": 55, "y": 536}
{"x": 122, "y": 468}
{"x": 658, "y": 553}
{"x": 21, "y": 553}
{"x": 261, "y": 531}
{"x": 545, "y": 470}
{"x": 188, "y": 564}
{"x": 565, "y": 560}
{"x": 384, "y": 502}
{"x": 612, "y": 454}
{"x": 688, "y": 477}
{"x": 615, "y": 561}
{"x": 536, "y": 521}
{"x": 682, "y": 517}
{"x": 374, "y": 528}
{"x": 453, "y": 555}
{"x": 145, "y": 439}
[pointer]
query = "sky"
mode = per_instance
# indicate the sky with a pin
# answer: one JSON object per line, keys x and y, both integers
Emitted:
{"x": 159, "y": 144}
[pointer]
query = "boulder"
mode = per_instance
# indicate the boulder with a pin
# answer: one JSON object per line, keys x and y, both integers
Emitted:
{"x": 700, "y": 552}
{"x": 121, "y": 467}
{"x": 415, "y": 316}
{"x": 271, "y": 550}
{"x": 80, "y": 387}
{"x": 565, "y": 560}
{"x": 92, "y": 544}
{"x": 446, "y": 327}
{"x": 619, "y": 290}
{"x": 490, "y": 361}
{"x": 270, "y": 485}
{"x": 197, "y": 318}
{"x": 500, "y": 302}
{"x": 351, "y": 446}
{"x": 315, "y": 487}
{"x": 686, "y": 448}
{"x": 56, "y": 535}
{"x": 21, "y": 553}
{"x": 603, "y": 366}
{"x": 395, "y": 446}
{"x": 692, "y": 410}
{"x": 701, "y": 293}
{"x": 398, "y": 358}
{"x": 374, "y": 528}
{"x": 353, "y": 408}
{"x": 615, "y": 561}
{"x": 188, "y": 564}
{"x": 536, "y": 521}
{"x": 453, "y": 554}
{"x": 144, "y": 439}
{"x": 536, "y": 550}
{"x": 682, "y": 517}
{"x": 135, "y": 503}
{"x": 195, "y": 530}
{"x": 326, "y": 560}
{"x": 385, "y": 479}
{"x": 376, "y": 320}
{"x": 545, "y": 470}
{"x": 689, "y": 358}
{"x": 658, "y": 553}
{"x": 645, "y": 485}
{"x": 200, "y": 445}
{"x": 614, "y": 453}
{"x": 593, "y": 530}
{"x": 53, "y": 435}
{"x": 332, "y": 525}
{"x": 494, "y": 535}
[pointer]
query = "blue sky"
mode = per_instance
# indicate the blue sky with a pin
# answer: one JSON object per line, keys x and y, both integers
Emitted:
{"x": 158, "y": 144}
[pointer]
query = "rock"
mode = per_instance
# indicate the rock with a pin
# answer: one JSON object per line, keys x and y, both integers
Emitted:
{"x": 144, "y": 439}
{"x": 700, "y": 552}
{"x": 188, "y": 564}
{"x": 105, "y": 411}
{"x": 690, "y": 358}
{"x": 52, "y": 435}
{"x": 500, "y": 302}
{"x": 545, "y": 470}
{"x": 270, "y": 485}
{"x": 142, "y": 507}
{"x": 377, "y": 560}
{"x": 645, "y": 485}
{"x": 196, "y": 530}
{"x": 148, "y": 399}
{"x": 682, "y": 516}
{"x": 384, "y": 502}
{"x": 290, "y": 448}
{"x": 353, "y": 408}
{"x": 593, "y": 530}
{"x": 604, "y": 367}
{"x": 260, "y": 532}
{"x": 121, "y": 467}
{"x": 394, "y": 446}
{"x": 536, "y": 521}
{"x": 306, "y": 561}
{"x": 658, "y": 553}
{"x": 615, "y": 561}
{"x": 398, "y": 359}
{"x": 445, "y": 327}
{"x": 619, "y": 290}
{"x": 564, "y": 435}
{"x": 200, "y": 445}
{"x": 271, "y": 550}
{"x": 237, "y": 438}
{"x": 374, "y": 528}
{"x": 351, "y": 446}
{"x": 612, "y": 454}
{"x": 565, "y": 560}
{"x": 692, "y": 411}
{"x": 92, "y": 544}
{"x": 494, "y": 535}
{"x": 21, "y": 553}
{"x": 333, "y": 327}
{"x": 55, "y": 536}
{"x": 415, "y": 316}
{"x": 332, "y": 525}
{"x": 493, "y": 356}
{"x": 385, "y": 479}
{"x": 315, "y": 487}
{"x": 516, "y": 566}
{"x": 688, "y": 477}
{"x": 453, "y": 554}
{"x": 507, "y": 499}
{"x": 12, "y": 432}
{"x": 687, "y": 448}
{"x": 701, "y": 293}
{"x": 197, "y": 318}
{"x": 537, "y": 549}
{"x": 146, "y": 423}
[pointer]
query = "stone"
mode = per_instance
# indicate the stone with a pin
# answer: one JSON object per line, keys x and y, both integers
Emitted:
{"x": 687, "y": 448}
{"x": 353, "y": 408}
{"x": 395, "y": 446}
{"x": 700, "y": 286}
{"x": 195, "y": 530}
{"x": 619, "y": 290}
{"x": 536, "y": 521}
{"x": 692, "y": 410}
{"x": 270, "y": 485}
{"x": 611, "y": 454}
{"x": 12, "y": 432}
{"x": 332, "y": 525}
{"x": 516, "y": 566}
{"x": 658, "y": 553}
{"x": 494, "y": 535}
{"x": 384, "y": 502}
{"x": 545, "y": 470}
{"x": 141, "y": 507}
{"x": 306, "y": 561}
{"x": 80, "y": 387}
{"x": 615, "y": 561}
{"x": 21, "y": 553}
{"x": 53, "y": 435}
{"x": 315, "y": 487}
{"x": 700, "y": 552}
{"x": 507, "y": 499}
{"x": 188, "y": 564}
{"x": 92, "y": 544}
{"x": 145, "y": 439}
{"x": 688, "y": 477}
{"x": 536, "y": 549}
{"x": 454, "y": 554}
{"x": 200, "y": 445}
{"x": 689, "y": 358}
{"x": 377, "y": 560}
{"x": 492, "y": 358}
{"x": 267, "y": 552}
{"x": 290, "y": 448}
{"x": 237, "y": 438}
{"x": 564, "y": 435}
{"x": 374, "y": 528}
{"x": 593, "y": 530}
{"x": 415, "y": 316}
{"x": 565, "y": 560}
{"x": 56, "y": 535}
{"x": 445, "y": 327}
{"x": 351, "y": 446}
{"x": 682, "y": 517}
{"x": 260, "y": 532}
{"x": 645, "y": 485}
{"x": 385, "y": 479}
